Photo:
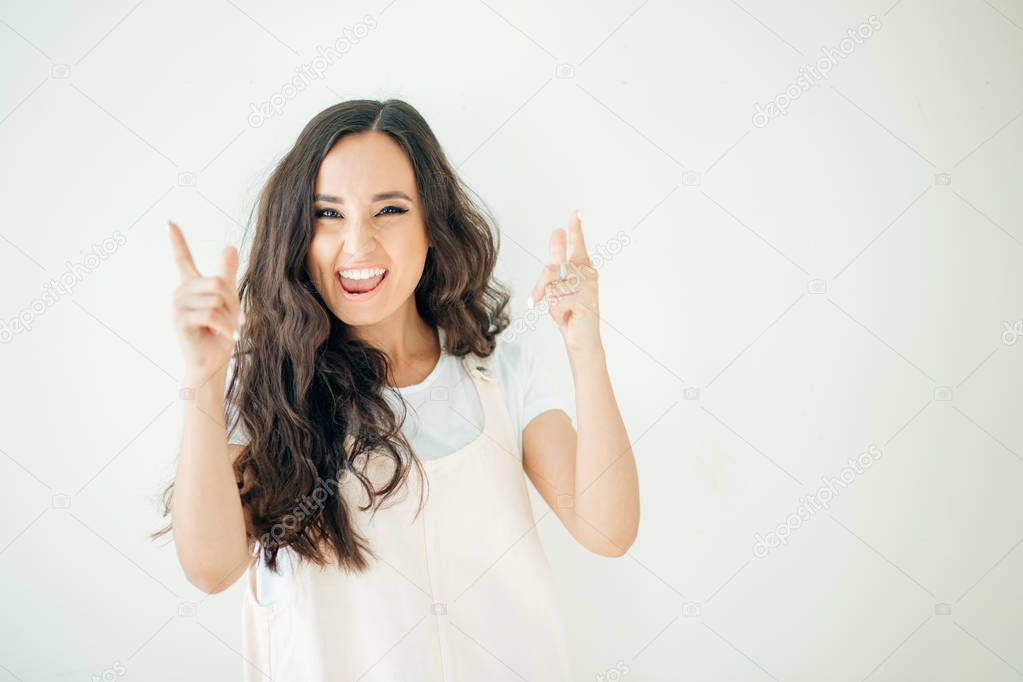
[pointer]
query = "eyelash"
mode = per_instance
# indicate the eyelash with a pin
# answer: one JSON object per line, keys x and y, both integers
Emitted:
{"x": 400, "y": 210}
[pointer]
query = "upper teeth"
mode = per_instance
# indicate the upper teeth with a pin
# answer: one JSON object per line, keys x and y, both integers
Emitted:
{"x": 362, "y": 274}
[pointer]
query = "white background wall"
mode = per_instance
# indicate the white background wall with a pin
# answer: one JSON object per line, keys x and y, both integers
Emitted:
{"x": 843, "y": 276}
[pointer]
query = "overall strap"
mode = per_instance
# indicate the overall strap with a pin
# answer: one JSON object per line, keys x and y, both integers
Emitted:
{"x": 486, "y": 376}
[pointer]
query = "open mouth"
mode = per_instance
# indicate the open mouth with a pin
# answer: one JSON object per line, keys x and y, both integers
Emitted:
{"x": 363, "y": 285}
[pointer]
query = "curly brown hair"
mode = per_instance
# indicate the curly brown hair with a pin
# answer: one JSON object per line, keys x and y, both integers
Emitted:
{"x": 308, "y": 394}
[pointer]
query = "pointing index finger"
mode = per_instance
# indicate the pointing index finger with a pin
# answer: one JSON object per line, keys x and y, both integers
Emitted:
{"x": 576, "y": 245}
{"x": 182, "y": 255}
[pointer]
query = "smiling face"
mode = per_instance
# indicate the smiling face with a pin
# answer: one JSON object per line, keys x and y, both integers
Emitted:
{"x": 368, "y": 217}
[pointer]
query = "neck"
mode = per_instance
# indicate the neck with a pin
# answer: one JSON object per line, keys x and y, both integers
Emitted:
{"x": 408, "y": 341}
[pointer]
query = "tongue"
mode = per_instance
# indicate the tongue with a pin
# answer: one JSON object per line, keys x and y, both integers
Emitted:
{"x": 357, "y": 286}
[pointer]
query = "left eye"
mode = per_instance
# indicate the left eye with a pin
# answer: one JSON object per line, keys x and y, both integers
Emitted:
{"x": 331, "y": 213}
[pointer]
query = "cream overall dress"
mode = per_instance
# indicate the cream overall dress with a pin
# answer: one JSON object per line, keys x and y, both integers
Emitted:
{"x": 462, "y": 593}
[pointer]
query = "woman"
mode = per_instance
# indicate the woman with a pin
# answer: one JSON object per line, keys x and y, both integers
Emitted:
{"x": 371, "y": 269}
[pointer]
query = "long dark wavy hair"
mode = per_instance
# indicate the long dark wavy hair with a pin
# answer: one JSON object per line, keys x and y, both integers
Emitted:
{"x": 311, "y": 397}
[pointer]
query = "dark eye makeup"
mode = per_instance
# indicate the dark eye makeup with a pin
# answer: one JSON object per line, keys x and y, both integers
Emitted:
{"x": 332, "y": 213}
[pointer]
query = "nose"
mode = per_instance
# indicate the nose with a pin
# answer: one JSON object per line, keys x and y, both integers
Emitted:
{"x": 358, "y": 239}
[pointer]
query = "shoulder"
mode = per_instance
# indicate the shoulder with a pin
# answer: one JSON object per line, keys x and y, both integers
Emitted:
{"x": 513, "y": 360}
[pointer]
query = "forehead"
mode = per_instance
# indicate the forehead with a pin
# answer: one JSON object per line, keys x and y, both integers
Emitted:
{"x": 362, "y": 164}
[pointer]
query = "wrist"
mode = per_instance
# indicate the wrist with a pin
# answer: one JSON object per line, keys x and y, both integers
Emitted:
{"x": 587, "y": 355}
{"x": 203, "y": 381}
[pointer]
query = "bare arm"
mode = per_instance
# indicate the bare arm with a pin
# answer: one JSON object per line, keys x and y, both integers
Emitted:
{"x": 589, "y": 479}
{"x": 210, "y": 526}
{"x": 211, "y": 531}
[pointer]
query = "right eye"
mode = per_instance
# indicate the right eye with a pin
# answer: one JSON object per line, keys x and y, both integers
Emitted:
{"x": 322, "y": 213}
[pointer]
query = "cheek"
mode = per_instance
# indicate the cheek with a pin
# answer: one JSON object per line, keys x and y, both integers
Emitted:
{"x": 402, "y": 247}
{"x": 412, "y": 257}
{"x": 319, "y": 261}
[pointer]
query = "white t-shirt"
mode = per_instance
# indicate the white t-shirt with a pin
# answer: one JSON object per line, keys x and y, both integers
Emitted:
{"x": 444, "y": 415}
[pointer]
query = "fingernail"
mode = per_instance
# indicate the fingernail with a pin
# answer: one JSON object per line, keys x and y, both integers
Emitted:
{"x": 237, "y": 335}
{"x": 529, "y": 302}
{"x": 579, "y": 215}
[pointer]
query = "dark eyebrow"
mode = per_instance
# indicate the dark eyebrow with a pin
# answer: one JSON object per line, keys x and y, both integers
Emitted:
{"x": 376, "y": 197}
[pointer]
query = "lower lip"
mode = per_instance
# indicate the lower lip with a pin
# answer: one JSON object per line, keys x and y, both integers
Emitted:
{"x": 364, "y": 296}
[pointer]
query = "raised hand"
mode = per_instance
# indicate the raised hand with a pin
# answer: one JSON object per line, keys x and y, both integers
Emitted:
{"x": 572, "y": 300}
{"x": 206, "y": 310}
